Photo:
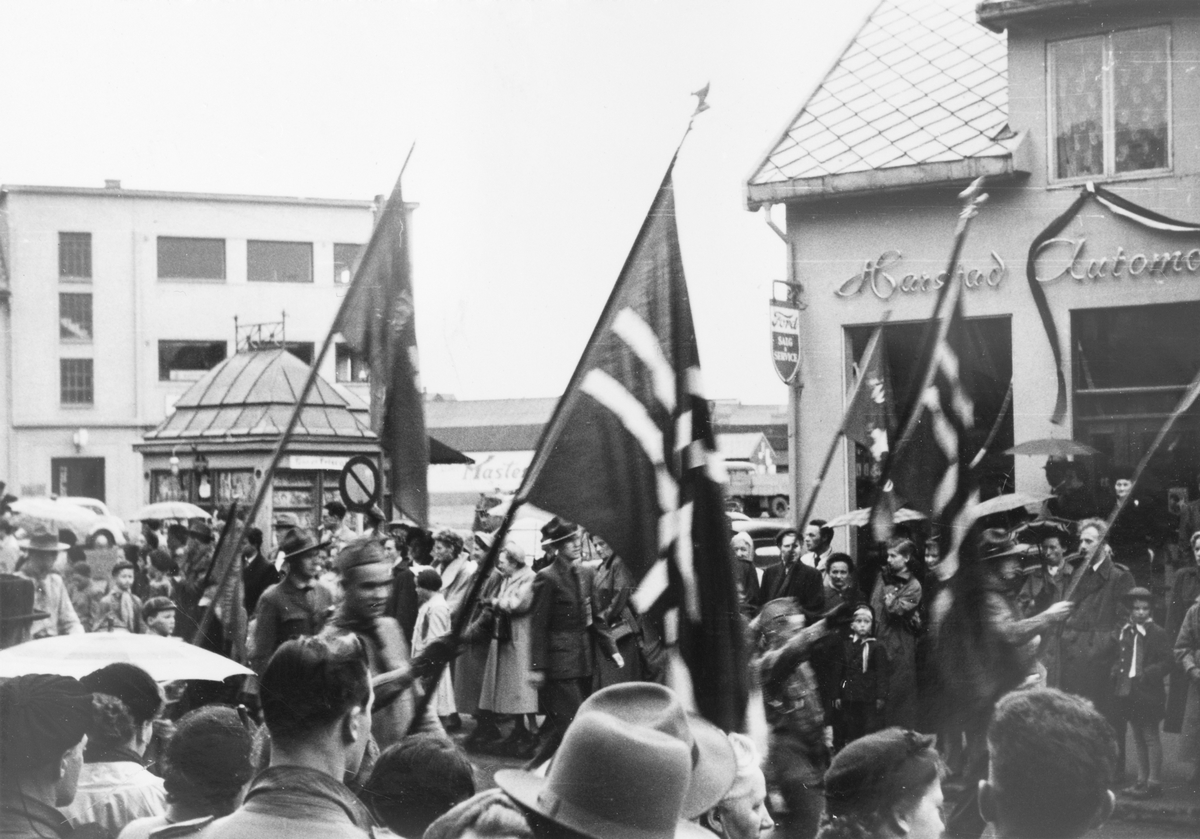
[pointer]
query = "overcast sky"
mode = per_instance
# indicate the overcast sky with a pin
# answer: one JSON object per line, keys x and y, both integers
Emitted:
{"x": 542, "y": 130}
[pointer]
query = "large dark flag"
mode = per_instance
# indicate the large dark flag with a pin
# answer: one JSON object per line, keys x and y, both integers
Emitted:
{"x": 931, "y": 468}
{"x": 630, "y": 455}
{"x": 377, "y": 322}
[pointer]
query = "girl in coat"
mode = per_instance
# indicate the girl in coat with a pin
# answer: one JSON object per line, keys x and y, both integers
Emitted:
{"x": 860, "y": 679}
{"x": 895, "y": 600}
{"x": 433, "y": 621}
{"x": 1143, "y": 658}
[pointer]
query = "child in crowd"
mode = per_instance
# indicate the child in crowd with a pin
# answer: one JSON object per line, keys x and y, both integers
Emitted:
{"x": 433, "y": 621}
{"x": 861, "y": 681}
{"x": 1143, "y": 659}
{"x": 159, "y": 616}
{"x": 121, "y": 608}
{"x": 895, "y": 601}
{"x": 85, "y": 595}
{"x": 162, "y": 571}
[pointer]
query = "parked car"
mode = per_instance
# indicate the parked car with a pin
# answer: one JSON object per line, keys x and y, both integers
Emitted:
{"x": 107, "y": 524}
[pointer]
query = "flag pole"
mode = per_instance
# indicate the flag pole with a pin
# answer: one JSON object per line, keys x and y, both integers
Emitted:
{"x": 868, "y": 356}
{"x": 549, "y": 433}
{"x": 268, "y": 473}
{"x": 209, "y": 611}
{"x": 1185, "y": 402}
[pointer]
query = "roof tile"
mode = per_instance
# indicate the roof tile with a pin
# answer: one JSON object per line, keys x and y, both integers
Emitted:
{"x": 921, "y": 83}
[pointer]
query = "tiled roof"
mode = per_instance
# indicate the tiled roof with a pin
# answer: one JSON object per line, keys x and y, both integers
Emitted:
{"x": 251, "y": 394}
{"x": 922, "y": 85}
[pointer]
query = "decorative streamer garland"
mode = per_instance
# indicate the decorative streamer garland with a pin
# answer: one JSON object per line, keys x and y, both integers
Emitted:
{"x": 1117, "y": 205}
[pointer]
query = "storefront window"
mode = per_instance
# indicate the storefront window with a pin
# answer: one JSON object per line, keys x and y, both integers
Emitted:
{"x": 1130, "y": 368}
{"x": 1110, "y": 98}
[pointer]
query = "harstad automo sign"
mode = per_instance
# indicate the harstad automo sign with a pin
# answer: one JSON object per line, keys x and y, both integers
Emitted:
{"x": 785, "y": 340}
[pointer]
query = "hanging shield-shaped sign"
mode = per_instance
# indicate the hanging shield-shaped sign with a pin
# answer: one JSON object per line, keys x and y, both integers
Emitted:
{"x": 785, "y": 340}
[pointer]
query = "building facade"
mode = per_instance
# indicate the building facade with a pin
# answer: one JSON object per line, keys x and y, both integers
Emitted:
{"x": 1043, "y": 97}
{"x": 115, "y": 301}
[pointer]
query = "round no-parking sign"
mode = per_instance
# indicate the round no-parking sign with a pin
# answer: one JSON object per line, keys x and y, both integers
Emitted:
{"x": 359, "y": 484}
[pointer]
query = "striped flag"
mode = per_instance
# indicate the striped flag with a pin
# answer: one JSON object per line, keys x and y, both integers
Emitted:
{"x": 630, "y": 455}
{"x": 931, "y": 468}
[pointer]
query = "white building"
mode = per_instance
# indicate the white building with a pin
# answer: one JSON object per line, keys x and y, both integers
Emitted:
{"x": 113, "y": 301}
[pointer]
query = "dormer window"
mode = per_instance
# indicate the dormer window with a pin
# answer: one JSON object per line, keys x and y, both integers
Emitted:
{"x": 1110, "y": 104}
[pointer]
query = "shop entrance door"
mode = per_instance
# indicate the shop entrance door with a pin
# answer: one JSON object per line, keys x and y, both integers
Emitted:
{"x": 82, "y": 476}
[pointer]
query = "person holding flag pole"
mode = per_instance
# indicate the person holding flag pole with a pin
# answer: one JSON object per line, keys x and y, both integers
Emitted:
{"x": 634, "y": 420}
{"x": 376, "y": 319}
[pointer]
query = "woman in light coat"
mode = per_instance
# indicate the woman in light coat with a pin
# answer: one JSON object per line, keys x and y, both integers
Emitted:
{"x": 506, "y": 687}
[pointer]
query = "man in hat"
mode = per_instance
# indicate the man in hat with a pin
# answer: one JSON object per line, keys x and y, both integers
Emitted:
{"x": 46, "y": 719}
{"x": 599, "y": 784}
{"x": 367, "y": 583}
{"x": 39, "y": 553}
{"x": 294, "y": 607}
{"x": 16, "y": 610}
{"x": 121, "y": 608}
{"x": 564, "y": 605}
{"x": 282, "y": 524}
{"x": 470, "y": 664}
{"x": 258, "y": 573}
{"x": 1046, "y": 584}
{"x": 195, "y": 577}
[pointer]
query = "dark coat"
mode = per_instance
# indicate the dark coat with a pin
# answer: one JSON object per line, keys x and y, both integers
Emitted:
{"x": 402, "y": 602}
{"x": 1185, "y": 588}
{"x": 748, "y": 590}
{"x": 800, "y": 582}
{"x": 564, "y": 603}
{"x": 258, "y": 575}
{"x": 1087, "y": 631}
{"x": 852, "y": 684}
{"x": 1144, "y": 696}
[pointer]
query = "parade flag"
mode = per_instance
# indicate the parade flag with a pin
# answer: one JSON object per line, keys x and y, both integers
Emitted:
{"x": 378, "y": 324}
{"x": 869, "y": 415}
{"x": 931, "y": 468}
{"x": 629, "y": 454}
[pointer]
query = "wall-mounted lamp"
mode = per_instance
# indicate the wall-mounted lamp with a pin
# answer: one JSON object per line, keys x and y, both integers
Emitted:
{"x": 80, "y": 439}
{"x": 200, "y": 470}
{"x": 174, "y": 461}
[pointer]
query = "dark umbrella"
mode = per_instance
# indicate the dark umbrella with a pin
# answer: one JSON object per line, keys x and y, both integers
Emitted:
{"x": 1052, "y": 447}
{"x": 1033, "y": 532}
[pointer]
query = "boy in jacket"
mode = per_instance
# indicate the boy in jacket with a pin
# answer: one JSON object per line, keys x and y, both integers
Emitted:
{"x": 860, "y": 680}
{"x": 1143, "y": 660}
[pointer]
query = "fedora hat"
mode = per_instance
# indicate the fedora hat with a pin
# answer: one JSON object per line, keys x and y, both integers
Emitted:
{"x": 285, "y": 520}
{"x": 298, "y": 543}
{"x": 611, "y": 780}
{"x": 484, "y": 540}
{"x": 649, "y": 705}
{"x": 997, "y": 543}
{"x": 43, "y": 540}
{"x": 557, "y": 530}
{"x": 202, "y": 530}
{"x": 16, "y": 600}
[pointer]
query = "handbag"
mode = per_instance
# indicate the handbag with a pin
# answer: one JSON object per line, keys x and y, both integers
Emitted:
{"x": 502, "y": 629}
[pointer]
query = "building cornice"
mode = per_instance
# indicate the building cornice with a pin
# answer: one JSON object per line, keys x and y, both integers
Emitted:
{"x": 996, "y": 15}
{"x": 157, "y": 195}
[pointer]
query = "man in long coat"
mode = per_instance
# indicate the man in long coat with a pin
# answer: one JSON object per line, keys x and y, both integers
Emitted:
{"x": 564, "y": 606}
{"x": 792, "y": 578}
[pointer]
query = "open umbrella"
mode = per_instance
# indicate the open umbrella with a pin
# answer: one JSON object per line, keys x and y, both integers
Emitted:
{"x": 1052, "y": 447}
{"x": 1009, "y": 501}
{"x": 859, "y": 518}
{"x": 165, "y": 659}
{"x": 1034, "y": 532}
{"x": 59, "y": 515}
{"x": 165, "y": 510}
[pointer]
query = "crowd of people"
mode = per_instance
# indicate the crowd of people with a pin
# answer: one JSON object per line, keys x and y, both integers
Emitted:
{"x": 1040, "y": 637}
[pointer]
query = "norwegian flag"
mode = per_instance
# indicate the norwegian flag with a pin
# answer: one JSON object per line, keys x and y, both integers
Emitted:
{"x": 630, "y": 455}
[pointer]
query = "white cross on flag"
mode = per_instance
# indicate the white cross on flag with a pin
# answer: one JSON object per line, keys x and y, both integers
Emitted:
{"x": 629, "y": 455}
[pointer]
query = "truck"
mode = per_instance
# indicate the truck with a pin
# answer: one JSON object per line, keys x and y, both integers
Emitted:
{"x": 756, "y": 492}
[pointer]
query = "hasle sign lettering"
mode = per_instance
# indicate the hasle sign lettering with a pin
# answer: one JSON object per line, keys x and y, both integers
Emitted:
{"x": 1060, "y": 259}
{"x": 883, "y": 278}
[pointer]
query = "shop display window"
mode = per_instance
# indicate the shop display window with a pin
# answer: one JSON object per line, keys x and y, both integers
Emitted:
{"x": 1110, "y": 104}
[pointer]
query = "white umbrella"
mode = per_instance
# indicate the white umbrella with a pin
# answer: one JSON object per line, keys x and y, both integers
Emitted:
{"x": 165, "y": 659}
{"x": 164, "y": 510}
{"x": 859, "y": 518}
{"x": 1009, "y": 501}
{"x": 57, "y": 514}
